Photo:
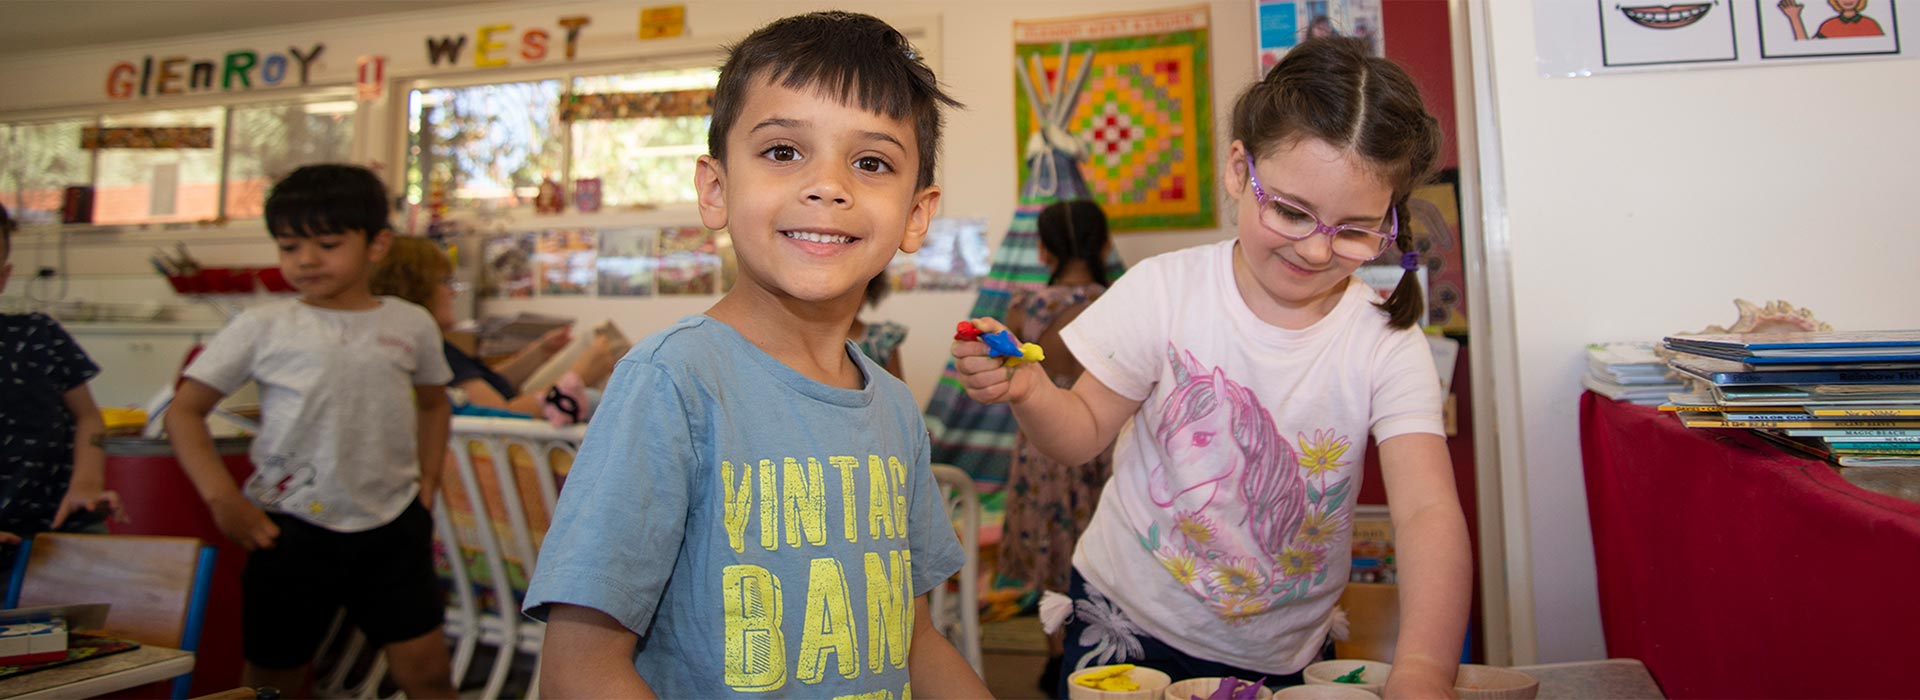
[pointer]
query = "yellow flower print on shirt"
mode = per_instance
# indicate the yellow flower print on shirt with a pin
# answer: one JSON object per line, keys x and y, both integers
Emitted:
{"x": 1317, "y": 529}
{"x": 1178, "y": 564}
{"x": 1323, "y": 453}
{"x": 1196, "y": 527}
{"x": 1239, "y": 578}
{"x": 1300, "y": 562}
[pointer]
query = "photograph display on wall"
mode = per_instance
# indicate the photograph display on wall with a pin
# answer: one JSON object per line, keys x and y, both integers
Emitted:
{"x": 954, "y": 257}
{"x": 509, "y": 266}
{"x": 1280, "y": 25}
{"x": 564, "y": 262}
{"x": 627, "y": 262}
{"x": 1433, "y": 214}
{"x": 689, "y": 261}
{"x": 1122, "y": 105}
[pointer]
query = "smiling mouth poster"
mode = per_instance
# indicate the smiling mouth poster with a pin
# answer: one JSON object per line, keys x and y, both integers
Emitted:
{"x": 1578, "y": 39}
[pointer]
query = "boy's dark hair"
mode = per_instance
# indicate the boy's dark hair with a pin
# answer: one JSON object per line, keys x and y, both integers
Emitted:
{"x": 853, "y": 58}
{"x": 1075, "y": 230}
{"x": 1330, "y": 89}
{"x": 328, "y": 198}
{"x": 877, "y": 289}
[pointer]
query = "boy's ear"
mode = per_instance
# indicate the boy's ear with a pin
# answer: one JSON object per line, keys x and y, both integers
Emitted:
{"x": 379, "y": 244}
{"x": 925, "y": 205}
{"x": 710, "y": 183}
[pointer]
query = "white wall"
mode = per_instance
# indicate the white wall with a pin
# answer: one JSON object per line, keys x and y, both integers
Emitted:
{"x": 1641, "y": 205}
{"x": 977, "y": 163}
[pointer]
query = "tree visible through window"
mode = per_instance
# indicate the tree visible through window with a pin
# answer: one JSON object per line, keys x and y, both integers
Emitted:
{"x": 487, "y": 146}
{"x": 37, "y": 163}
{"x": 270, "y": 141}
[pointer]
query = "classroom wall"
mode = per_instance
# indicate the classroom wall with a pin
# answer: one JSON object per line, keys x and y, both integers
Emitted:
{"x": 974, "y": 60}
{"x": 1641, "y": 205}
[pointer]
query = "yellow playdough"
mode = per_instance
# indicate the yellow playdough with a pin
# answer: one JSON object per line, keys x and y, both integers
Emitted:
{"x": 1113, "y": 678}
{"x": 1029, "y": 352}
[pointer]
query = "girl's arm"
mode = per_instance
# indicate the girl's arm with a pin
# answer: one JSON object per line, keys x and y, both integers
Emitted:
{"x": 936, "y": 669}
{"x": 87, "y": 490}
{"x": 589, "y": 655}
{"x": 1072, "y": 427}
{"x": 1435, "y": 564}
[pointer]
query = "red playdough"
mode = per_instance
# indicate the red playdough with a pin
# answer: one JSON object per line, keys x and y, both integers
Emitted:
{"x": 965, "y": 330}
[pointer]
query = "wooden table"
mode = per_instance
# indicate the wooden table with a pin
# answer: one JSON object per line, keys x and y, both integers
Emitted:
{"x": 147, "y": 664}
{"x": 1611, "y": 679}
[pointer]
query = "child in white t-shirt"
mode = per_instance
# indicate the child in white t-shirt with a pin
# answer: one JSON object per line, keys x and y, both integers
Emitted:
{"x": 1253, "y": 371}
{"x": 353, "y": 402}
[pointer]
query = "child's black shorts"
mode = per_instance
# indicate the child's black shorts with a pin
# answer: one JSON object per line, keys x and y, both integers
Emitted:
{"x": 384, "y": 577}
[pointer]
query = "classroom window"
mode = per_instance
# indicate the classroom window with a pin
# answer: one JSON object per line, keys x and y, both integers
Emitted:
{"x": 269, "y": 141}
{"x": 485, "y": 146}
{"x": 645, "y": 159}
{"x": 38, "y": 161}
{"x": 159, "y": 166}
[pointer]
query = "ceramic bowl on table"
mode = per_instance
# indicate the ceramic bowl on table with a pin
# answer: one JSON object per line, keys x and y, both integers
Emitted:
{"x": 1153, "y": 684}
{"x": 1372, "y": 680}
{"x": 1477, "y": 682}
{"x": 1324, "y": 692}
{"x": 1204, "y": 688}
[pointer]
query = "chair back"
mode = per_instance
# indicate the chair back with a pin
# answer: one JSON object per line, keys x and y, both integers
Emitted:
{"x": 958, "y": 616}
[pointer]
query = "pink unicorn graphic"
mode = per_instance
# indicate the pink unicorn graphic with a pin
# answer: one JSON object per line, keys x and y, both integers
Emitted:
{"x": 1212, "y": 428}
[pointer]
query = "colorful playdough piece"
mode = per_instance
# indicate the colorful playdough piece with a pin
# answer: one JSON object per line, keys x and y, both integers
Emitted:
{"x": 1234, "y": 689}
{"x": 1112, "y": 678}
{"x": 1352, "y": 676}
{"x": 966, "y": 331}
{"x": 1001, "y": 344}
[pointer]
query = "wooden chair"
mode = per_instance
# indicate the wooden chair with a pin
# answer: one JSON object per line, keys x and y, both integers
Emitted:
{"x": 157, "y": 586}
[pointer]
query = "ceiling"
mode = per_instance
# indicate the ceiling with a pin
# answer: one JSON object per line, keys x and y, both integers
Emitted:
{"x": 29, "y": 26}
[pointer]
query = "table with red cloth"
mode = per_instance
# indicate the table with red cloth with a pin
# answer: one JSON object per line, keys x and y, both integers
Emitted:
{"x": 1734, "y": 569}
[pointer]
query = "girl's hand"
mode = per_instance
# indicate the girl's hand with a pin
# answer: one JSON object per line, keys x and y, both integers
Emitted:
{"x": 91, "y": 500}
{"x": 243, "y": 522}
{"x": 9, "y": 538}
{"x": 985, "y": 378}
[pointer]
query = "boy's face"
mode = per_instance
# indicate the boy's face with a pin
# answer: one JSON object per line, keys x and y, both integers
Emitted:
{"x": 816, "y": 194}
{"x": 331, "y": 266}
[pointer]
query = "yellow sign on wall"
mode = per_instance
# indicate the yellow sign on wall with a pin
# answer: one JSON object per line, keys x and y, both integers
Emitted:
{"x": 662, "y": 22}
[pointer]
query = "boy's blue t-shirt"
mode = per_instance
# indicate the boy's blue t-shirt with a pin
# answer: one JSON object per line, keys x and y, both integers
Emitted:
{"x": 763, "y": 533}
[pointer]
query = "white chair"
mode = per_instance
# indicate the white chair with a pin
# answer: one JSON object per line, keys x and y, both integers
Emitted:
{"x": 958, "y": 617}
{"x": 482, "y": 473}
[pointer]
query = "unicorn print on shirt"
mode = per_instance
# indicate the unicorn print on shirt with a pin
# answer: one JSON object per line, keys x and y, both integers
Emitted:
{"x": 1254, "y": 520}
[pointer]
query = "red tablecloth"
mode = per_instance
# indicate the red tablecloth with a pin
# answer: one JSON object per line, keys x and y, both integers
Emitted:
{"x": 1735, "y": 570}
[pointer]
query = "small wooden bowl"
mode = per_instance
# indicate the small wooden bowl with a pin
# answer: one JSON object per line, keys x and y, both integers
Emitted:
{"x": 1477, "y": 682}
{"x": 1203, "y": 687}
{"x": 1152, "y": 685}
{"x": 1372, "y": 680}
{"x": 1324, "y": 692}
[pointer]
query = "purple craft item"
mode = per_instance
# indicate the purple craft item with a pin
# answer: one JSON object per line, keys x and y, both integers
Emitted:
{"x": 1235, "y": 689}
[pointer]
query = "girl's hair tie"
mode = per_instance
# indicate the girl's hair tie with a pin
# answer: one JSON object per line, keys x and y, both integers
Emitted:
{"x": 1410, "y": 261}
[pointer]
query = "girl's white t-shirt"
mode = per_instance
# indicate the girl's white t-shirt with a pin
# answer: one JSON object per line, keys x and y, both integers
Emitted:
{"x": 1226, "y": 529}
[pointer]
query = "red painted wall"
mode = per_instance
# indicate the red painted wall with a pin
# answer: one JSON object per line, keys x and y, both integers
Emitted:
{"x": 1420, "y": 40}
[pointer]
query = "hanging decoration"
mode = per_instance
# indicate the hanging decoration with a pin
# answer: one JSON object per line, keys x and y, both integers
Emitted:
{"x": 94, "y": 138}
{"x": 1129, "y": 97}
{"x": 637, "y": 105}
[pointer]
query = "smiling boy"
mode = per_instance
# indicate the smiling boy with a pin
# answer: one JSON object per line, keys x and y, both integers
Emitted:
{"x": 752, "y": 512}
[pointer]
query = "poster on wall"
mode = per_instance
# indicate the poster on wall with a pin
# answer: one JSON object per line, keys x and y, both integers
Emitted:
{"x": 1652, "y": 35}
{"x": 1790, "y": 29}
{"x": 1282, "y": 24}
{"x": 563, "y": 261}
{"x": 1127, "y": 98}
{"x": 627, "y": 261}
{"x": 1595, "y": 37}
{"x": 509, "y": 266}
{"x": 1433, "y": 214}
{"x": 689, "y": 261}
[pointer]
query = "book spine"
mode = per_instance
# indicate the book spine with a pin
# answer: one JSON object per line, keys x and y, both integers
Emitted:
{"x": 1838, "y": 376}
{"x": 1874, "y": 434}
{"x": 1868, "y": 412}
{"x": 1712, "y": 423}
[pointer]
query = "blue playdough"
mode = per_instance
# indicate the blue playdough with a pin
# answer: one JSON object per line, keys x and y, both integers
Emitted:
{"x": 1001, "y": 344}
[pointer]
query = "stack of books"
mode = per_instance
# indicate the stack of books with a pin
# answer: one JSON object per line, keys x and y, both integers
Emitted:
{"x": 1849, "y": 398}
{"x": 1629, "y": 372}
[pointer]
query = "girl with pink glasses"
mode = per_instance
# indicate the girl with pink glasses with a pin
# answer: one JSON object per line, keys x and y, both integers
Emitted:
{"x": 1253, "y": 370}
